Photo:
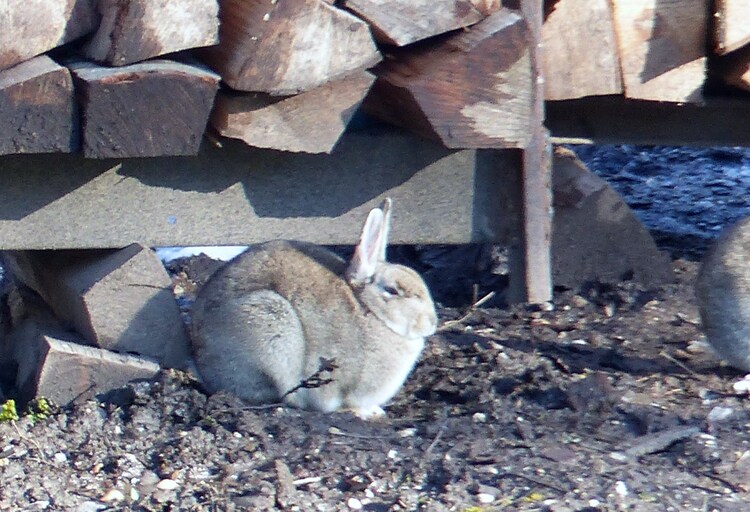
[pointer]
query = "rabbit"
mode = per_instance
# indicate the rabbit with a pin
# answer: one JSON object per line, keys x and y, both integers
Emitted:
{"x": 265, "y": 323}
{"x": 722, "y": 290}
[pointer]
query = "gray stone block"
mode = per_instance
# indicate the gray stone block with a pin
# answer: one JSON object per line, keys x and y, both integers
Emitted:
{"x": 63, "y": 371}
{"x": 118, "y": 300}
{"x": 596, "y": 236}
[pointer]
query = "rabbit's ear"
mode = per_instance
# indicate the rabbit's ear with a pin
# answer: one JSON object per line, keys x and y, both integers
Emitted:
{"x": 386, "y": 227}
{"x": 372, "y": 244}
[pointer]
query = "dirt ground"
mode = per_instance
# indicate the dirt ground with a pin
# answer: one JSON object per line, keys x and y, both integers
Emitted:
{"x": 605, "y": 402}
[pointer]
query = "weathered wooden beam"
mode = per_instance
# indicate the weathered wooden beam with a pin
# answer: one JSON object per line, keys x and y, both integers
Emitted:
{"x": 470, "y": 89}
{"x": 311, "y": 121}
{"x": 284, "y": 48}
{"x": 237, "y": 195}
{"x": 580, "y": 50}
{"x": 663, "y": 47}
{"x": 536, "y": 178}
{"x": 155, "y": 108}
{"x": 141, "y": 29}
{"x": 615, "y": 120}
{"x": 734, "y": 68}
{"x": 401, "y": 22}
{"x": 731, "y": 25}
{"x": 37, "y": 108}
{"x": 31, "y": 27}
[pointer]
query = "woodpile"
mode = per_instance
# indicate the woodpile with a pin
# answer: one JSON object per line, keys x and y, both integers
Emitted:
{"x": 138, "y": 78}
{"x": 645, "y": 49}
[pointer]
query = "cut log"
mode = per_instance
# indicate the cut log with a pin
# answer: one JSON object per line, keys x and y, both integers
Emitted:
{"x": 31, "y": 27}
{"x": 487, "y": 7}
{"x": 117, "y": 300}
{"x": 38, "y": 108}
{"x": 283, "y": 48}
{"x": 154, "y": 108}
{"x": 596, "y": 236}
{"x": 735, "y": 68}
{"x": 573, "y": 66}
{"x": 732, "y": 25}
{"x": 141, "y": 29}
{"x": 401, "y": 22}
{"x": 310, "y": 122}
{"x": 472, "y": 89}
{"x": 662, "y": 48}
{"x": 64, "y": 371}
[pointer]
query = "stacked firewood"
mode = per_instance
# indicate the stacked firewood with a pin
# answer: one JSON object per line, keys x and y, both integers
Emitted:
{"x": 645, "y": 49}
{"x": 113, "y": 78}
{"x": 91, "y": 75}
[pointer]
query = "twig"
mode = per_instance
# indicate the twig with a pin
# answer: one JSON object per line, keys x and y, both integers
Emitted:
{"x": 316, "y": 380}
{"x": 536, "y": 481}
{"x": 467, "y": 314}
{"x": 435, "y": 441}
{"x": 305, "y": 481}
{"x": 678, "y": 363}
{"x": 30, "y": 440}
{"x": 652, "y": 443}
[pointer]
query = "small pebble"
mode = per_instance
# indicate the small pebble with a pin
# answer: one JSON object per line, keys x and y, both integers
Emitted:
{"x": 621, "y": 488}
{"x": 354, "y": 504}
{"x": 61, "y": 457}
{"x": 485, "y": 498}
{"x": 719, "y": 414}
{"x": 113, "y": 496}
{"x": 479, "y": 417}
{"x": 742, "y": 386}
{"x": 167, "y": 485}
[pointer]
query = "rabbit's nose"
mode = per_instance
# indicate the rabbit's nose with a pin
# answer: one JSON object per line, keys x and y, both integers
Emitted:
{"x": 425, "y": 324}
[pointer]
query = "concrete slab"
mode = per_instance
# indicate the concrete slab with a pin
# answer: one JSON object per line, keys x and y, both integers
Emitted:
{"x": 118, "y": 300}
{"x": 64, "y": 371}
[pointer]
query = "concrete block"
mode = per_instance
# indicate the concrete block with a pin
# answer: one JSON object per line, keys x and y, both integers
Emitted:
{"x": 63, "y": 370}
{"x": 596, "y": 236}
{"x": 118, "y": 300}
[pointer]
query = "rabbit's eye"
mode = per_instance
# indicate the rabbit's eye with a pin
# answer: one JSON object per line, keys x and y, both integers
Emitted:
{"x": 390, "y": 290}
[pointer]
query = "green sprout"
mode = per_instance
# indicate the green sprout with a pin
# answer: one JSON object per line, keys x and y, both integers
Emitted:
{"x": 40, "y": 409}
{"x": 8, "y": 411}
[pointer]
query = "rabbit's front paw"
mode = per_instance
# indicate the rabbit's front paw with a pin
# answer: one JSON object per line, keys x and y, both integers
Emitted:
{"x": 370, "y": 412}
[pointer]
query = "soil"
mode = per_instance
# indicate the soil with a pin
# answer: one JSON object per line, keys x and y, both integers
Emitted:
{"x": 606, "y": 399}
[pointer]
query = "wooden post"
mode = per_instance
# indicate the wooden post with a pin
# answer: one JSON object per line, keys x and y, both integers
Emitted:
{"x": 535, "y": 250}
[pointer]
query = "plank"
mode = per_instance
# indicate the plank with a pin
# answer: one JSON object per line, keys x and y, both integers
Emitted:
{"x": 311, "y": 121}
{"x": 237, "y": 195}
{"x": 616, "y": 120}
{"x": 31, "y": 27}
{"x": 402, "y": 22}
{"x": 38, "y": 108}
{"x": 154, "y": 108}
{"x": 63, "y": 371}
{"x": 662, "y": 48}
{"x": 284, "y": 48}
{"x": 573, "y": 66}
{"x": 471, "y": 89}
{"x": 734, "y": 68}
{"x": 142, "y": 29}
{"x": 731, "y": 25}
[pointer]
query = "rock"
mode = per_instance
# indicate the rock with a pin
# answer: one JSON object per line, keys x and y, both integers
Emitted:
{"x": 119, "y": 300}
{"x": 62, "y": 370}
{"x": 596, "y": 236}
